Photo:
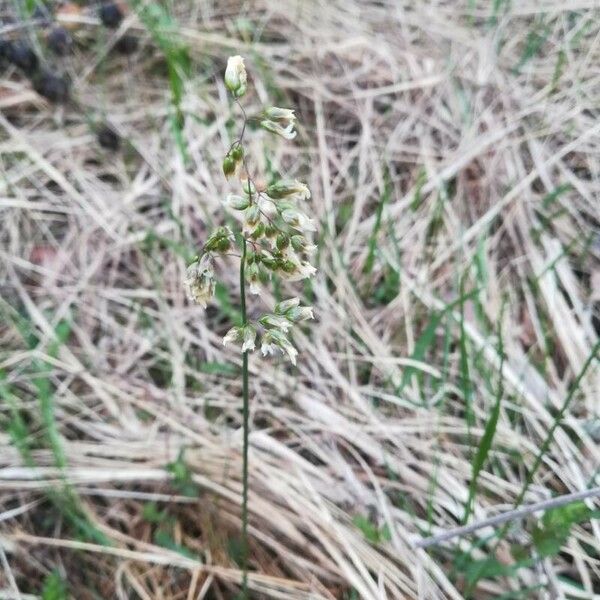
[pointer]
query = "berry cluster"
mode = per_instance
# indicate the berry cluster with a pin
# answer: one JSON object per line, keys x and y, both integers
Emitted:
{"x": 57, "y": 34}
{"x": 46, "y": 83}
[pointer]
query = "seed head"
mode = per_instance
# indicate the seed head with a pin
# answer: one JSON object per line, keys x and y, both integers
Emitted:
{"x": 200, "y": 281}
{"x": 235, "y": 76}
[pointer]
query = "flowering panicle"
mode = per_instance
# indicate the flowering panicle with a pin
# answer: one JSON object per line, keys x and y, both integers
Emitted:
{"x": 275, "y": 235}
{"x": 274, "y": 239}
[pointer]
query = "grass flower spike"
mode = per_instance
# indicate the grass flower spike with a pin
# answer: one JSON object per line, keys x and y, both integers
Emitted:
{"x": 275, "y": 341}
{"x": 286, "y": 132}
{"x": 288, "y": 189}
{"x": 273, "y": 241}
{"x": 281, "y": 115}
{"x": 199, "y": 281}
{"x": 246, "y": 335}
{"x": 235, "y": 76}
{"x": 297, "y": 219}
{"x": 280, "y": 121}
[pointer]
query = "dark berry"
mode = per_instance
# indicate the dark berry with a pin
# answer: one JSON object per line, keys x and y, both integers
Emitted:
{"x": 60, "y": 41}
{"x": 110, "y": 15}
{"x": 108, "y": 138}
{"x": 127, "y": 44}
{"x": 53, "y": 87}
{"x": 21, "y": 55}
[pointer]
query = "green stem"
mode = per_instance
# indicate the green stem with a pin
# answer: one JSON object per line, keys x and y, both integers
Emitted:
{"x": 245, "y": 411}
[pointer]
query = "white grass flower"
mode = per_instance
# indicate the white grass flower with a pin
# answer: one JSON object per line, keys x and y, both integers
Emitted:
{"x": 290, "y": 254}
{"x": 300, "y": 313}
{"x": 292, "y": 310}
{"x": 280, "y": 121}
{"x": 274, "y": 340}
{"x": 233, "y": 336}
{"x": 248, "y": 187}
{"x": 249, "y": 337}
{"x": 246, "y": 335}
{"x": 285, "y": 305}
{"x": 285, "y": 132}
{"x": 236, "y": 202}
{"x": 274, "y": 113}
{"x": 266, "y": 206}
{"x": 277, "y": 322}
{"x": 298, "y": 220}
{"x": 303, "y": 270}
{"x": 199, "y": 281}
{"x": 289, "y": 188}
{"x": 251, "y": 218}
{"x": 252, "y": 274}
{"x": 288, "y": 348}
{"x": 300, "y": 244}
{"x": 235, "y": 76}
{"x": 307, "y": 270}
{"x": 268, "y": 348}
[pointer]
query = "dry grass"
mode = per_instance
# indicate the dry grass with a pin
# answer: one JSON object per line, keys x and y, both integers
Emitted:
{"x": 476, "y": 136}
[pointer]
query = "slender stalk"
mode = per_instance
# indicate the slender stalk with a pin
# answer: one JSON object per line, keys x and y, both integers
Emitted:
{"x": 245, "y": 400}
{"x": 511, "y": 515}
{"x": 200, "y": 281}
{"x": 245, "y": 412}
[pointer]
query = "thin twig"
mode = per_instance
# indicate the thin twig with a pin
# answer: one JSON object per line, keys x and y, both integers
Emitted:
{"x": 510, "y": 515}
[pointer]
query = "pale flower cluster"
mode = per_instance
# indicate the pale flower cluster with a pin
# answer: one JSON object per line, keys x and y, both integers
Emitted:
{"x": 199, "y": 281}
{"x": 280, "y": 121}
{"x": 235, "y": 76}
{"x": 275, "y": 229}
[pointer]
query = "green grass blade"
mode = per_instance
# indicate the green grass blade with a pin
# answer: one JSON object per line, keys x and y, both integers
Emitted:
{"x": 487, "y": 439}
{"x": 385, "y": 197}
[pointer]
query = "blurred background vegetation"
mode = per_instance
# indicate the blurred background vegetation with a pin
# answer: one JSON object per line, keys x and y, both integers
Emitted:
{"x": 452, "y": 147}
